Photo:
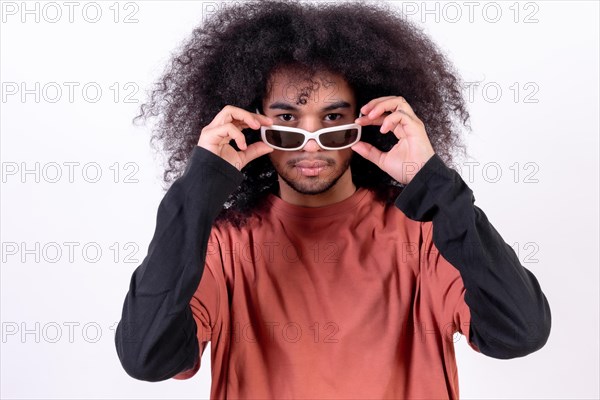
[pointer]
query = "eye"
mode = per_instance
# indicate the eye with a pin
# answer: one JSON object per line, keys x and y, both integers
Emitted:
{"x": 286, "y": 117}
{"x": 334, "y": 116}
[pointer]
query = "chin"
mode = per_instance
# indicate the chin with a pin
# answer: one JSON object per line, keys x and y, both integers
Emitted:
{"x": 312, "y": 188}
{"x": 311, "y": 181}
{"x": 312, "y": 185}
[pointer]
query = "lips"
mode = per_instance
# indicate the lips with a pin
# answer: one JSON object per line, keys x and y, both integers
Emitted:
{"x": 311, "y": 167}
{"x": 311, "y": 164}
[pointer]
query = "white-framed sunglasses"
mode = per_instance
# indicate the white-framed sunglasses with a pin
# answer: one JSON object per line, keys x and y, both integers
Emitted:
{"x": 292, "y": 139}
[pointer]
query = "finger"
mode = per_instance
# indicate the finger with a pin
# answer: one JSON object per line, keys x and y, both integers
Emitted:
{"x": 388, "y": 106}
{"x": 393, "y": 120}
{"x": 223, "y": 134}
{"x": 252, "y": 120}
{"x": 369, "y": 106}
{"x": 230, "y": 113}
{"x": 236, "y": 134}
{"x": 264, "y": 120}
{"x": 365, "y": 120}
{"x": 235, "y": 114}
{"x": 254, "y": 151}
{"x": 404, "y": 106}
{"x": 392, "y": 105}
{"x": 369, "y": 152}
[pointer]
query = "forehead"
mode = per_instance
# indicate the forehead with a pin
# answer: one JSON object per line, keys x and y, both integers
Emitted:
{"x": 323, "y": 87}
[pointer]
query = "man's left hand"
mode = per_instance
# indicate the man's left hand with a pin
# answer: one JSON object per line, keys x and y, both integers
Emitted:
{"x": 413, "y": 150}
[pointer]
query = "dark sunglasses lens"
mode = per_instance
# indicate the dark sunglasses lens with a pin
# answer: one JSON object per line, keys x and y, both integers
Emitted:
{"x": 283, "y": 139}
{"x": 339, "y": 138}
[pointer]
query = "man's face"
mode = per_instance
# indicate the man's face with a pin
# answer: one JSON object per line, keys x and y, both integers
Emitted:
{"x": 331, "y": 102}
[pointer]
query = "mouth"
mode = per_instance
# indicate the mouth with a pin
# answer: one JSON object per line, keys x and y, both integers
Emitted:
{"x": 311, "y": 167}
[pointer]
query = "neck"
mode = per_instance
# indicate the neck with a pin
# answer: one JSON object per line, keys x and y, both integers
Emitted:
{"x": 342, "y": 189}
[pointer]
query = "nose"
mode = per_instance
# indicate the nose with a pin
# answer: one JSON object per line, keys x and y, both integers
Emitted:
{"x": 312, "y": 146}
{"x": 311, "y": 125}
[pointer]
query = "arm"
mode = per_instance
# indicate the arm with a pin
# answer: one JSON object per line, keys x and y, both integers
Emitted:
{"x": 510, "y": 316}
{"x": 156, "y": 337}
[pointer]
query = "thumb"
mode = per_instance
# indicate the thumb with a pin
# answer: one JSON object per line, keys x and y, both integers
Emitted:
{"x": 368, "y": 151}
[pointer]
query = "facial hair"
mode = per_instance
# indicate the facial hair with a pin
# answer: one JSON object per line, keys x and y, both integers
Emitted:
{"x": 311, "y": 185}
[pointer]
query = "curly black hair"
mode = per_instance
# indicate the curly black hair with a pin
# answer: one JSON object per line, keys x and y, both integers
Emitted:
{"x": 229, "y": 58}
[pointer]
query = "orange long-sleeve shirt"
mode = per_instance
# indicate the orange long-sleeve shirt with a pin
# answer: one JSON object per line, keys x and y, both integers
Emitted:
{"x": 354, "y": 300}
{"x": 350, "y": 300}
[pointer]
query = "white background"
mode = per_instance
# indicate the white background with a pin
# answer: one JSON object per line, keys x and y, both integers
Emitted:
{"x": 58, "y": 313}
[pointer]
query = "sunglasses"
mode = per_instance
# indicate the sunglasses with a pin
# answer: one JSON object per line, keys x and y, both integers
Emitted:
{"x": 292, "y": 139}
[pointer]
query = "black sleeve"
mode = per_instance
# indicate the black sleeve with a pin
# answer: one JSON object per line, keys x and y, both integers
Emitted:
{"x": 156, "y": 336}
{"x": 510, "y": 316}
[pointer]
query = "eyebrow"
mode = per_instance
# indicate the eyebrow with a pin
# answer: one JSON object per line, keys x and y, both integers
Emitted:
{"x": 289, "y": 107}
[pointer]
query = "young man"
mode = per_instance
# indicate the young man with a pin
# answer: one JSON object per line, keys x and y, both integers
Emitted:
{"x": 285, "y": 252}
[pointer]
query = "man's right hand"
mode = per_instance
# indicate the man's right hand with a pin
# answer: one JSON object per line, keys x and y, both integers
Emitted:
{"x": 228, "y": 125}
